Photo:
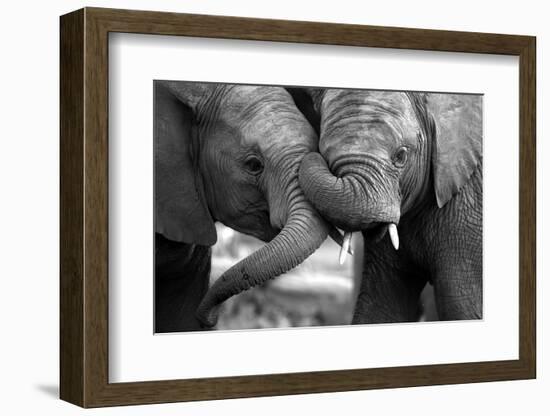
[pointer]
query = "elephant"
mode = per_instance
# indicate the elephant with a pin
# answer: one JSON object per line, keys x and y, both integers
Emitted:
{"x": 227, "y": 153}
{"x": 406, "y": 161}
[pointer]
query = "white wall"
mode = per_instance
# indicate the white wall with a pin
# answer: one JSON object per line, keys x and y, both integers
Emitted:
{"x": 29, "y": 210}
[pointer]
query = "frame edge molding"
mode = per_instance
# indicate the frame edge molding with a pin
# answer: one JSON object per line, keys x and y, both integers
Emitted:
{"x": 72, "y": 298}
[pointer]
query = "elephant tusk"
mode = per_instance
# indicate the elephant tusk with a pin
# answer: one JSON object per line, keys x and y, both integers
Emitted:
{"x": 338, "y": 238}
{"x": 394, "y": 236}
{"x": 345, "y": 246}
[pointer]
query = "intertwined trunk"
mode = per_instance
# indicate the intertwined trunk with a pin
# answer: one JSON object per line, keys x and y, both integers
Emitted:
{"x": 360, "y": 195}
{"x": 302, "y": 234}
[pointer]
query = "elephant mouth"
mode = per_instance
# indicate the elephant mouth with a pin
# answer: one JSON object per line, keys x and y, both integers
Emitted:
{"x": 375, "y": 231}
{"x": 372, "y": 234}
{"x": 257, "y": 225}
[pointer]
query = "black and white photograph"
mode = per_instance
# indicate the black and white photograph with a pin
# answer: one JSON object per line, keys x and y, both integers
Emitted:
{"x": 282, "y": 206}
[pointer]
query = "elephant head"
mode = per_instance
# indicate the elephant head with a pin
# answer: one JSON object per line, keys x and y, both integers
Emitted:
{"x": 231, "y": 153}
{"x": 383, "y": 154}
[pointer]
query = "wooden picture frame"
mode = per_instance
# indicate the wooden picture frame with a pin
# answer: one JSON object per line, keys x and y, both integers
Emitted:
{"x": 84, "y": 207}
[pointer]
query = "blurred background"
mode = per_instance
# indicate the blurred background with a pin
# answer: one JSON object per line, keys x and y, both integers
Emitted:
{"x": 318, "y": 292}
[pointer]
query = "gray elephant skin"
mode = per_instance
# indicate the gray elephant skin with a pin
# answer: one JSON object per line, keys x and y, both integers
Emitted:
{"x": 402, "y": 168}
{"x": 228, "y": 153}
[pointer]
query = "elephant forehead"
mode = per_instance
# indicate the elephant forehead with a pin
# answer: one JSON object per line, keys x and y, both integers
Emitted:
{"x": 279, "y": 129}
{"x": 376, "y": 141}
{"x": 245, "y": 101}
{"x": 266, "y": 117}
{"x": 390, "y": 107}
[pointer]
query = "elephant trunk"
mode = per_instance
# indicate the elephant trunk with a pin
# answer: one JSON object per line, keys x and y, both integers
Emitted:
{"x": 359, "y": 196}
{"x": 303, "y": 233}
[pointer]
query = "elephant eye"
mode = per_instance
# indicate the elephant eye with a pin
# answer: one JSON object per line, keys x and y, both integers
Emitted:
{"x": 254, "y": 165}
{"x": 400, "y": 156}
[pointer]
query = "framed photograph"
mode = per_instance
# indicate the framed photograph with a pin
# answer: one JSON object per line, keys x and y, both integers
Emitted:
{"x": 260, "y": 207}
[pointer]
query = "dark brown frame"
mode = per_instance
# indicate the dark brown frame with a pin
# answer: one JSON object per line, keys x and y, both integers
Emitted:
{"x": 84, "y": 213}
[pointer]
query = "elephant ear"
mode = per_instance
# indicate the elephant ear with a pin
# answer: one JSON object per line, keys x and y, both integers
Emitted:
{"x": 457, "y": 145}
{"x": 181, "y": 213}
